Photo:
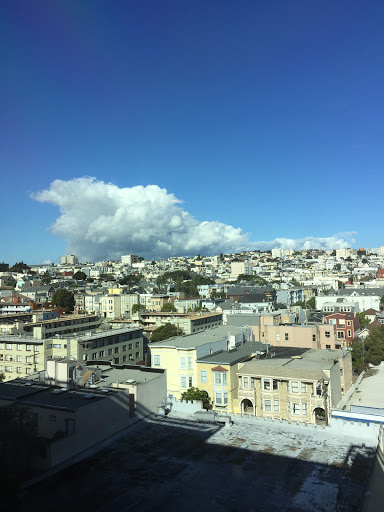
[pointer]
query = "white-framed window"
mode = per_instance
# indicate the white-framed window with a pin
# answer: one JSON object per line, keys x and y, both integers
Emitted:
{"x": 275, "y": 385}
{"x": 348, "y": 322}
{"x": 37, "y": 360}
{"x": 8, "y": 357}
{"x": 245, "y": 382}
{"x": 57, "y": 345}
{"x": 102, "y": 353}
{"x": 294, "y": 386}
{"x": 267, "y": 406}
{"x": 304, "y": 409}
{"x": 221, "y": 398}
{"x": 267, "y": 384}
{"x": 183, "y": 381}
{"x": 313, "y": 337}
{"x": 203, "y": 376}
{"x": 19, "y": 359}
{"x": 29, "y": 347}
{"x": 37, "y": 348}
{"x": 19, "y": 346}
{"x": 276, "y": 405}
{"x": 18, "y": 369}
{"x": 277, "y": 336}
{"x": 221, "y": 379}
{"x": 1, "y": 346}
{"x": 190, "y": 367}
{"x": 9, "y": 369}
{"x": 28, "y": 359}
{"x": 303, "y": 387}
{"x": 8, "y": 346}
{"x": 340, "y": 335}
{"x": 286, "y": 336}
{"x": 27, "y": 371}
{"x": 156, "y": 360}
{"x": 182, "y": 363}
{"x": 296, "y": 409}
{"x": 327, "y": 334}
{"x": 253, "y": 382}
{"x": 349, "y": 333}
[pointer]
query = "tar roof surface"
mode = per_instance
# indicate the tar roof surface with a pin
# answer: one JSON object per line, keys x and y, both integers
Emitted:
{"x": 199, "y": 338}
{"x": 240, "y": 353}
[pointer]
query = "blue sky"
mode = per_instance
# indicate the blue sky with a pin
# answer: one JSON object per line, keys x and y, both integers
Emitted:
{"x": 264, "y": 116}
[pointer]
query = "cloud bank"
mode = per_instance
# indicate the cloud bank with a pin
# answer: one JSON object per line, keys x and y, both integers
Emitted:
{"x": 102, "y": 221}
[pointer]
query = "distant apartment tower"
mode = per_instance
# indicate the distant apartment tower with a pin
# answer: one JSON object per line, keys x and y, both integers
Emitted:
{"x": 345, "y": 253}
{"x": 281, "y": 253}
{"x": 129, "y": 259}
{"x": 241, "y": 267}
{"x": 69, "y": 259}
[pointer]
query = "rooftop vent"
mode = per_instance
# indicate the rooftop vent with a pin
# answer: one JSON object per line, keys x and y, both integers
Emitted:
{"x": 130, "y": 381}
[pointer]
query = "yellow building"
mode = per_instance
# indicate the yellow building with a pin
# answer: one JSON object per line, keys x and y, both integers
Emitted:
{"x": 181, "y": 356}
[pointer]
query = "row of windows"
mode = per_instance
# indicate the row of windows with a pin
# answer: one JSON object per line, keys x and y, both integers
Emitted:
{"x": 273, "y": 384}
{"x": 102, "y": 354}
{"x": 19, "y": 346}
{"x": 19, "y": 370}
{"x": 296, "y": 408}
{"x": 19, "y": 359}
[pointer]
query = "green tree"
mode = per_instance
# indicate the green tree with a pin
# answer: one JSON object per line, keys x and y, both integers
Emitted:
{"x": 168, "y": 307}
{"x": 20, "y": 267}
{"x": 197, "y": 394}
{"x": 382, "y": 302}
{"x": 368, "y": 351}
{"x": 280, "y": 305}
{"x": 131, "y": 279}
{"x": 338, "y": 266}
{"x": 46, "y": 278}
{"x": 136, "y": 308}
{"x": 218, "y": 295}
{"x": 255, "y": 279}
{"x": 364, "y": 321}
{"x": 64, "y": 299}
{"x": 300, "y": 303}
{"x": 165, "y": 331}
{"x": 4, "y": 267}
{"x": 80, "y": 276}
{"x": 311, "y": 302}
{"x": 2, "y": 376}
{"x": 221, "y": 257}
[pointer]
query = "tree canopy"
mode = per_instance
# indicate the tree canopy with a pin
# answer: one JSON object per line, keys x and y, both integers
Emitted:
{"x": 136, "y": 308}
{"x": 168, "y": 307}
{"x": 311, "y": 302}
{"x": 131, "y": 279}
{"x": 197, "y": 394}
{"x": 368, "y": 351}
{"x": 46, "y": 278}
{"x": 165, "y": 331}
{"x": 255, "y": 279}
{"x": 20, "y": 267}
{"x": 80, "y": 276}
{"x": 64, "y": 298}
{"x": 364, "y": 321}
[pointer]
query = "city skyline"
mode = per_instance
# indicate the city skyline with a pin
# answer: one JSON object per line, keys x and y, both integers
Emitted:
{"x": 252, "y": 124}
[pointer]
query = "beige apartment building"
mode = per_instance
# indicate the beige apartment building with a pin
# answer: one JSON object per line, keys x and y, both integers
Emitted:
{"x": 304, "y": 336}
{"x": 296, "y": 389}
{"x": 22, "y": 355}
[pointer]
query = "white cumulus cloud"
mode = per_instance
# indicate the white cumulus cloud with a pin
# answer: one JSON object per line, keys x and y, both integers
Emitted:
{"x": 99, "y": 220}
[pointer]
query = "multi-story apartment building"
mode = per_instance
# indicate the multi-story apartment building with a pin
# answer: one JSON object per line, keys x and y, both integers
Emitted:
{"x": 241, "y": 267}
{"x": 22, "y": 355}
{"x": 320, "y": 336}
{"x": 69, "y": 259}
{"x": 129, "y": 259}
{"x": 303, "y": 389}
{"x": 117, "y": 306}
{"x": 188, "y": 323}
{"x": 179, "y": 355}
{"x": 346, "y": 324}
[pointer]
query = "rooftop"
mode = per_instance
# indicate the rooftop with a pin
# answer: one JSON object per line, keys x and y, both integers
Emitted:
{"x": 240, "y": 353}
{"x": 199, "y": 338}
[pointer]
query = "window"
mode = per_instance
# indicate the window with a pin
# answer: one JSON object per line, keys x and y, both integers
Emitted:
{"x": 221, "y": 379}
{"x": 27, "y": 371}
{"x": 286, "y": 336}
{"x": 37, "y": 360}
{"x": 19, "y": 347}
{"x": 267, "y": 406}
{"x": 182, "y": 363}
{"x": 8, "y": 346}
{"x": 276, "y": 405}
{"x": 340, "y": 334}
{"x": 277, "y": 336}
{"x": 190, "y": 382}
{"x": 137, "y": 354}
{"x": 37, "y": 348}
{"x": 56, "y": 345}
{"x": 245, "y": 382}
{"x": 9, "y": 369}
{"x": 203, "y": 376}
{"x": 102, "y": 353}
{"x": 294, "y": 386}
{"x": 267, "y": 384}
{"x": 130, "y": 346}
{"x": 275, "y": 385}
{"x": 156, "y": 360}
{"x": 29, "y": 347}
{"x": 348, "y": 322}
{"x": 304, "y": 410}
{"x": 18, "y": 369}
{"x": 327, "y": 346}
{"x": 296, "y": 409}
{"x": 327, "y": 334}
{"x": 28, "y": 359}
{"x": 19, "y": 359}
{"x": 303, "y": 387}
{"x": 189, "y": 363}
{"x": 253, "y": 382}
{"x": 183, "y": 381}
{"x": 109, "y": 351}
{"x": 8, "y": 357}
{"x": 124, "y": 359}
{"x": 137, "y": 344}
{"x": 94, "y": 355}
{"x": 221, "y": 398}
{"x": 313, "y": 337}
{"x": 116, "y": 350}
{"x": 124, "y": 348}
{"x": 349, "y": 333}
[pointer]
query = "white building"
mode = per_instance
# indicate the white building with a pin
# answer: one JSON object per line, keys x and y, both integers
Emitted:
{"x": 129, "y": 259}
{"x": 69, "y": 259}
{"x": 241, "y": 267}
